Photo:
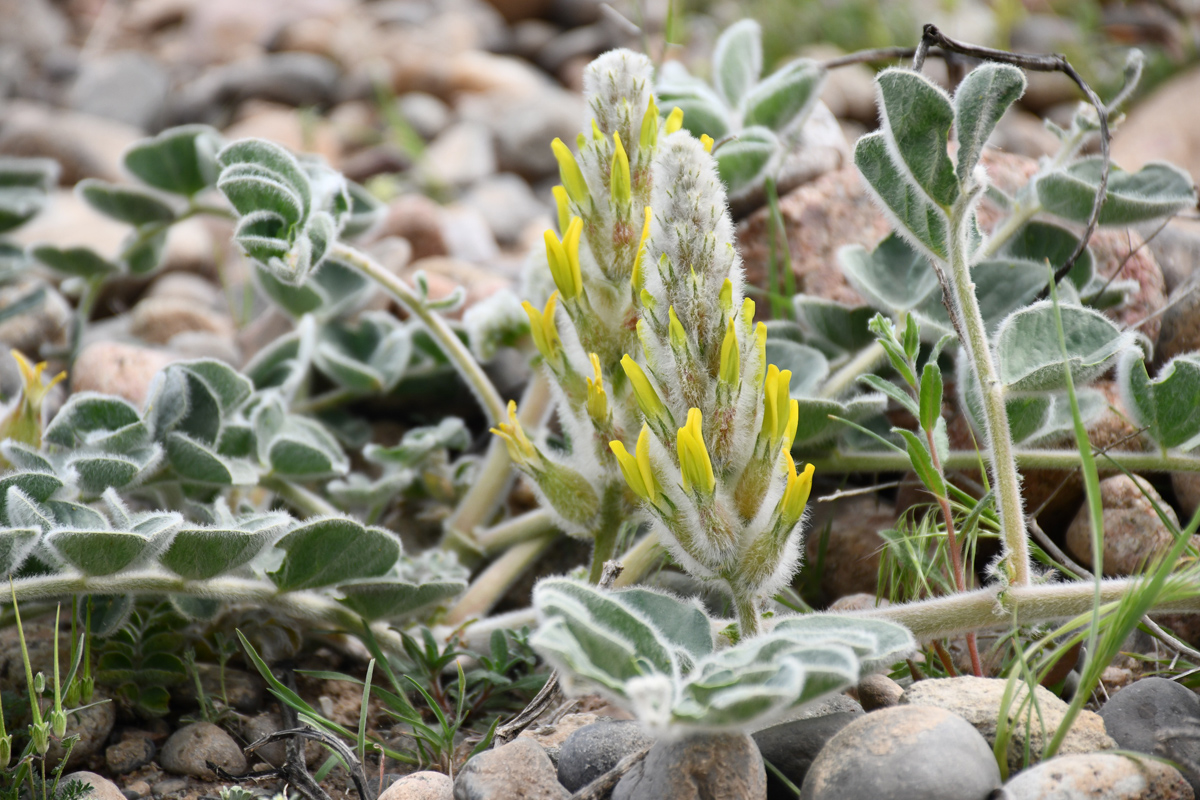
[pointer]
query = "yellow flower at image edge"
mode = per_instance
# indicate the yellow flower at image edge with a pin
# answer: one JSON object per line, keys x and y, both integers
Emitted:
{"x": 636, "y": 468}
{"x": 23, "y": 422}
{"x": 520, "y": 449}
{"x": 695, "y": 467}
{"x": 795, "y": 496}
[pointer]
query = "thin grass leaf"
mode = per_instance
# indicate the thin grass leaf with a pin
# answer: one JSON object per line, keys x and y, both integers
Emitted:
{"x": 362, "y": 713}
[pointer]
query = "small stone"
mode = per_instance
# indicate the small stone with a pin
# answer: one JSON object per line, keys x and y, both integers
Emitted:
{"x": 424, "y": 785}
{"x": 121, "y": 369}
{"x": 245, "y": 691}
{"x": 1180, "y": 331}
{"x": 902, "y": 753}
{"x": 1133, "y": 533}
{"x": 1176, "y": 248}
{"x": 507, "y": 204}
{"x": 1100, "y": 775}
{"x": 45, "y": 324}
{"x": 1164, "y": 126}
{"x": 551, "y": 737}
{"x": 594, "y": 749}
{"x": 792, "y": 746}
{"x": 102, "y": 788}
{"x": 727, "y": 766}
{"x": 878, "y": 691}
{"x": 495, "y": 774}
{"x": 461, "y": 155}
{"x": 427, "y": 114}
{"x": 1154, "y": 716}
{"x": 128, "y": 755}
{"x": 128, "y": 86}
{"x": 290, "y": 79}
{"x": 978, "y": 701}
{"x": 1187, "y": 491}
{"x": 85, "y": 146}
{"x": 467, "y": 234}
{"x": 156, "y": 320}
{"x": 171, "y": 787}
{"x": 189, "y": 287}
{"x": 255, "y": 728}
{"x": 136, "y": 790}
{"x": 92, "y": 725}
{"x": 191, "y": 747}
{"x": 419, "y": 220}
{"x": 524, "y": 126}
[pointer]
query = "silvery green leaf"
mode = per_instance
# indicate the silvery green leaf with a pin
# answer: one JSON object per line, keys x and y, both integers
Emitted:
{"x": 1155, "y": 191}
{"x": 682, "y": 623}
{"x": 303, "y": 449}
{"x": 1027, "y": 347}
{"x": 1039, "y": 242}
{"x": 833, "y": 328}
{"x": 226, "y": 385}
{"x": 979, "y": 103}
{"x": 237, "y": 440}
{"x": 76, "y": 515}
{"x": 128, "y": 204}
{"x": 418, "y": 443}
{"x": 38, "y": 485}
{"x": 23, "y": 457}
{"x": 23, "y": 511}
{"x": 1167, "y": 406}
{"x": 258, "y": 157}
{"x": 808, "y": 365}
{"x": 703, "y": 110}
{"x": 79, "y": 262}
{"x": 922, "y": 462}
{"x": 197, "y": 463}
{"x": 917, "y": 115}
{"x": 24, "y": 186}
{"x": 99, "y": 552}
{"x": 496, "y": 321}
{"x": 333, "y": 550}
{"x": 143, "y": 253}
{"x": 737, "y": 60}
{"x": 384, "y": 598}
{"x": 893, "y": 278}
{"x": 276, "y": 363}
{"x": 917, "y": 218}
{"x": 1060, "y": 423}
{"x": 331, "y": 288}
{"x": 783, "y": 101}
{"x": 877, "y": 642}
{"x": 884, "y": 386}
{"x": 179, "y": 160}
{"x": 357, "y": 490}
{"x": 815, "y": 426}
{"x": 15, "y": 545}
{"x": 250, "y": 188}
{"x": 13, "y": 262}
{"x": 368, "y": 356}
{"x": 96, "y": 471}
{"x": 365, "y": 211}
{"x": 743, "y": 159}
{"x": 202, "y": 553}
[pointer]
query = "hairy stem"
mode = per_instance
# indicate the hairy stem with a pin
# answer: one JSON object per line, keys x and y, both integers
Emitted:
{"x": 491, "y": 584}
{"x": 638, "y": 560}
{"x": 468, "y": 368}
{"x": 860, "y": 461}
{"x": 866, "y": 360}
{"x": 748, "y": 619}
{"x": 307, "y": 503}
{"x": 513, "y": 531}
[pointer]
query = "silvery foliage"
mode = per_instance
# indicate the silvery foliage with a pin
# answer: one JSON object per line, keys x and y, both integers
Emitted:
{"x": 759, "y": 118}
{"x": 655, "y": 655}
{"x": 931, "y": 197}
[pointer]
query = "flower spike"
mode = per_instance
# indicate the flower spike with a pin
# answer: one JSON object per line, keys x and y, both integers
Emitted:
{"x": 695, "y": 467}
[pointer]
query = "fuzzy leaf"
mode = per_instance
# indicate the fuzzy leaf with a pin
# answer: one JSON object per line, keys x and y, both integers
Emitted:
{"x": 79, "y": 262}
{"x": 365, "y": 211}
{"x": 330, "y": 289}
{"x": 737, "y": 60}
{"x": 894, "y": 277}
{"x": 742, "y": 161}
{"x": 143, "y": 254}
{"x": 419, "y": 443}
{"x": 1153, "y": 192}
{"x": 918, "y": 116}
{"x": 1039, "y": 242}
{"x": 831, "y": 327}
{"x": 1169, "y": 405}
{"x": 98, "y": 471}
{"x": 37, "y": 485}
{"x": 807, "y": 364}
{"x": 302, "y": 448}
{"x": 703, "y": 111}
{"x": 979, "y": 103}
{"x": 202, "y": 553}
{"x": 679, "y": 622}
{"x": 267, "y": 160}
{"x": 24, "y": 186}
{"x": 127, "y": 204}
{"x": 393, "y": 599}
{"x": 877, "y": 642}
{"x": 1028, "y": 350}
{"x": 99, "y": 552}
{"x": 931, "y": 395}
{"x": 333, "y": 550}
{"x": 783, "y": 101}
{"x": 919, "y": 219}
{"x": 197, "y": 463}
{"x": 816, "y": 427}
{"x": 15, "y": 545}
{"x": 179, "y": 160}
{"x": 86, "y": 414}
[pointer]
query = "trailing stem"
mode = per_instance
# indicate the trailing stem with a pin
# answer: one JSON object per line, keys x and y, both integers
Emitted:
{"x": 860, "y": 461}
{"x": 491, "y": 584}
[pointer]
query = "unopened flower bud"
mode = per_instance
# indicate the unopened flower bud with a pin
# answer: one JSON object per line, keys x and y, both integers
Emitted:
{"x": 561, "y": 205}
{"x": 730, "y": 369}
{"x": 568, "y": 170}
{"x": 674, "y": 120}
{"x": 649, "y": 134}
{"x": 638, "y": 277}
{"x": 40, "y": 733}
{"x": 636, "y": 468}
{"x": 620, "y": 183}
{"x": 597, "y": 400}
{"x": 544, "y": 329}
{"x": 58, "y": 723}
{"x": 522, "y": 451}
{"x": 795, "y": 496}
{"x": 707, "y": 142}
{"x": 676, "y": 332}
{"x": 563, "y": 258}
{"x": 695, "y": 467}
{"x": 647, "y": 399}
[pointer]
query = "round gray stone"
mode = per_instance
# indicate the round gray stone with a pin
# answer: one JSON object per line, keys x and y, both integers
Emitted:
{"x": 189, "y": 749}
{"x": 792, "y": 746}
{"x": 1154, "y": 716}
{"x": 904, "y": 753}
{"x": 102, "y": 788}
{"x": 1100, "y": 775}
{"x": 594, "y": 749}
{"x": 520, "y": 768}
{"x": 727, "y": 766}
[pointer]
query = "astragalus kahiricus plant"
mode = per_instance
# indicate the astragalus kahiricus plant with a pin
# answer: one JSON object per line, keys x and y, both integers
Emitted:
{"x": 665, "y": 395}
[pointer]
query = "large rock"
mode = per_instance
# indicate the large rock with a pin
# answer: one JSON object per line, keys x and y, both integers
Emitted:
{"x": 189, "y": 750}
{"x": 92, "y": 725}
{"x": 425, "y": 785}
{"x": 520, "y": 768}
{"x": 594, "y": 749}
{"x": 1155, "y": 716}
{"x": 1133, "y": 532}
{"x": 1165, "y": 126}
{"x": 1099, "y": 775}
{"x": 792, "y": 746}
{"x": 727, "y": 766}
{"x": 554, "y": 735}
{"x": 128, "y": 86}
{"x": 101, "y": 788}
{"x": 85, "y": 146}
{"x": 978, "y": 701}
{"x": 121, "y": 369}
{"x": 904, "y": 753}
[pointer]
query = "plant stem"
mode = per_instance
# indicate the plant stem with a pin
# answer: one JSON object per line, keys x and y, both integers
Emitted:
{"x": 513, "y": 531}
{"x": 458, "y": 354}
{"x": 747, "y": 616}
{"x": 491, "y": 584}
{"x": 860, "y": 461}
{"x": 300, "y": 498}
{"x": 638, "y": 560}
{"x": 866, "y": 360}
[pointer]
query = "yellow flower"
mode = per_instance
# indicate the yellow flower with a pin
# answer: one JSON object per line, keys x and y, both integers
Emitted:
{"x": 695, "y": 467}
{"x": 647, "y": 399}
{"x": 638, "y": 278}
{"x": 707, "y": 141}
{"x": 597, "y": 134}
{"x": 730, "y": 358}
{"x": 563, "y": 258}
{"x": 776, "y": 404}
{"x": 789, "y": 431}
{"x": 620, "y": 183}
{"x": 760, "y": 347}
{"x": 543, "y": 328}
{"x": 649, "y": 135}
{"x": 521, "y": 450}
{"x": 572, "y": 176}
{"x": 795, "y": 496}
{"x": 636, "y": 469}
{"x": 725, "y": 298}
{"x": 675, "y": 331}
{"x": 23, "y": 422}
{"x": 674, "y": 120}
{"x": 597, "y": 401}
{"x": 564, "y": 211}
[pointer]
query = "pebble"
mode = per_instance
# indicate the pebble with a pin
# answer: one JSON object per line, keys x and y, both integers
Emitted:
{"x": 428, "y": 115}
{"x": 187, "y": 286}
{"x": 1187, "y": 491}
{"x": 102, "y": 788}
{"x": 524, "y": 126}
{"x": 44, "y": 325}
{"x": 903, "y": 753}
{"x": 257, "y": 727}
{"x": 203, "y": 344}
{"x": 244, "y": 690}
{"x": 136, "y": 790}
{"x": 1176, "y": 248}
{"x": 1164, "y": 126}
{"x": 978, "y": 701}
{"x": 189, "y": 748}
{"x": 291, "y": 79}
{"x": 170, "y": 787}
{"x": 1133, "y": 533}
{"x": 127, "y": 86}
{"x": 1098, "y": 775}
{"x": 425, "y": 785}
{"x": 507, "y": 204}
{"x": 492, "y": 774}
{"x": 1155, "y": 716}
{"x": 84, "y": 145}
{"x": 727, "y": 766}
{"x": 156, "y": 320}
{"x": 125, "y": 370}
{"x": 594, "y": 749}
{"x": 551, "y": 737}
{"x": 461, "y": 155}
{"x": 128, "y": 755}
{"x": 92, "y": 725}
{"x": 1180, "y": 332}
{"x": 878, "y": 691}
{"x": 792, "y": 746}
{"x": 467, "y": 234}
{"x": 419, "y": 220}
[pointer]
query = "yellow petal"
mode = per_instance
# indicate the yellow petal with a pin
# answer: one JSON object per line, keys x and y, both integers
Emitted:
{"x": 568, "y": 169}
{"x": 674, "y": 120}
